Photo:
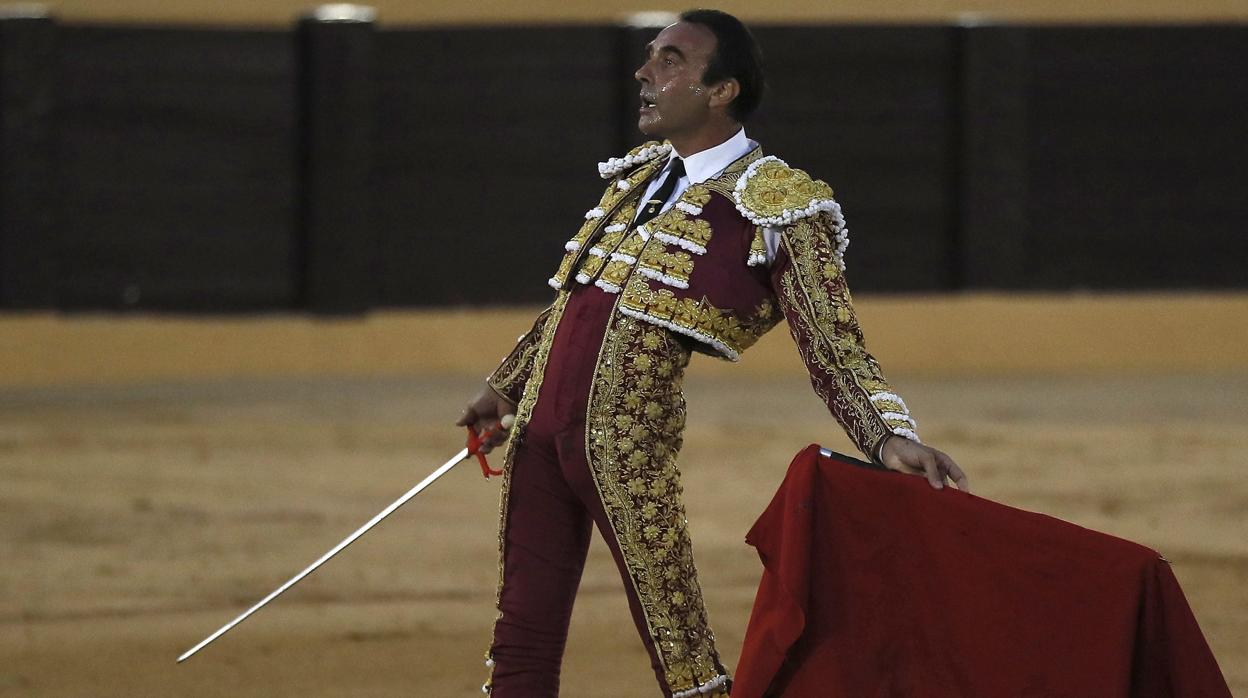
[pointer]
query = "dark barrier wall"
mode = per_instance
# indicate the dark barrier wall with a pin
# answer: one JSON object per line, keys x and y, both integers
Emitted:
{"x": 871, "y": 111}
{"x": 176, "y": 169}
{"x": 339, "y": 167}
{"x": 1105, "y": 157}
{"x": 28, "y": 187}
{"x": 1137, "y": 158}
{"x": 487, "y": 148}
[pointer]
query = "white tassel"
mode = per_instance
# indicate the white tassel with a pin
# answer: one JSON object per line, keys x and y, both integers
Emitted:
{"x": 681, "y": 242}
{"x": 607, "y": 286}
{"x": 899, "y": 417}
{"x": 662, "y": 278}
{"x": 908, "y": 433}
{"x": 890, "y": 397}
{"x": 615, "y": 166}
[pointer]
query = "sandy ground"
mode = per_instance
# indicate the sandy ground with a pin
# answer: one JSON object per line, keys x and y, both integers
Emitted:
{"x": 136, "y": 520}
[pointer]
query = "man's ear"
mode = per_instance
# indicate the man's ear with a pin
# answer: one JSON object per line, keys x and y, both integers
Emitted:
{"x": 723, "y": 92}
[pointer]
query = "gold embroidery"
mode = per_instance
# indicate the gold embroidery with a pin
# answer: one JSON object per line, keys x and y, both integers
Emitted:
{"x": 669, "y": 254}
{"x": 719, "y": 329}
{"x": 696, "y": 194}
{"x": 614, "y": 203}
{"x": 616, "y": 273}
{"x": 633, "y": 245}
{"x": 634, "y": 432}
{"x": 591, "y": 264}
{"x": 524, "y": 410}
{"x": 677, "y": 265}
{"x": 695, "y": 230}
{"x": 758, "y": 247}
{"x": 726, "y": 182}
{"x": 775, "y": 188}
{"x": 818, "y": 305}
{"x": 512, "y": 374}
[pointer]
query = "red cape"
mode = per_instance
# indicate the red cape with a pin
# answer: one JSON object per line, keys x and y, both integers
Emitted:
{"x": 878, "y": 585}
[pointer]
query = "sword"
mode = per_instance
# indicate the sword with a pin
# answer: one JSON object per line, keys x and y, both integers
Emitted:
{"x": 472, "y": 449}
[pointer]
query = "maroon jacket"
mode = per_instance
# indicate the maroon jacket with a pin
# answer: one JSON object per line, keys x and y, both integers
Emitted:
{"x": 699, "y": 269}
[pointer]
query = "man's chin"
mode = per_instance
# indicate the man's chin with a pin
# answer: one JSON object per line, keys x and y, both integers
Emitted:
{"x": 649, "y": 126}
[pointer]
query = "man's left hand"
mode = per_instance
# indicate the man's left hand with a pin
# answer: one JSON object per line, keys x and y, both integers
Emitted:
{"x": 912, "y": 457}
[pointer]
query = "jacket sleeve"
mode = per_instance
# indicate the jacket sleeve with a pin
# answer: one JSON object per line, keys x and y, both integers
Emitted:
{"x": 809, "y": 283}
{"x": 509, "y": 378}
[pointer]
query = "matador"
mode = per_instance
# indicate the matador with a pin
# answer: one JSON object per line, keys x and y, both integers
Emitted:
{"x": 700, "y": 243}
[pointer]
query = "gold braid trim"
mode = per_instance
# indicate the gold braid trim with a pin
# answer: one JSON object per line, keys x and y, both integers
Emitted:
{"x": 614, "y": 207}
{"x": 634, "y": 430}
{"x": 815, "y": 298}
{"x": 524, "y": 411}
{"x": 509, "y": 378}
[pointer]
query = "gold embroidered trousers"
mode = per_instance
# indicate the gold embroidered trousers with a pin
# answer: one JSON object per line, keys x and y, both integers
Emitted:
{"x": 598, "y": 429}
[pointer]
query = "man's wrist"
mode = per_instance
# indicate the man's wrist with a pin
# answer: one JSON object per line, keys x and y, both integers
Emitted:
{"x": 877, "y": 453}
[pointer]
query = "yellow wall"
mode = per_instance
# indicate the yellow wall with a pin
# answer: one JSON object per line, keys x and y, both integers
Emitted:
{"x": 280, "y": 12}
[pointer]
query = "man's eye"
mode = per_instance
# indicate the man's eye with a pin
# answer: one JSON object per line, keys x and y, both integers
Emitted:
{"x": 668, "y": 62}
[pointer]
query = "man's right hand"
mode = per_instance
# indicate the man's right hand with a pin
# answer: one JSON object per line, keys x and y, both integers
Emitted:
{"x": 483, "y": 413}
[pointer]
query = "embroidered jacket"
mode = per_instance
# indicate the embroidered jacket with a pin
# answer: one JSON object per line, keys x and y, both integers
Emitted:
{"x": 699, "y": 270}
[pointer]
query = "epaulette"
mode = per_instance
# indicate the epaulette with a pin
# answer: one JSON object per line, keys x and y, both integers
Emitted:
{"x": 772, "y": 193}
{"x": 641, "y": 154}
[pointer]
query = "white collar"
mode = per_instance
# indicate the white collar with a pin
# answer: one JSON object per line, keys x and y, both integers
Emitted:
{"x": 708, "y": 163}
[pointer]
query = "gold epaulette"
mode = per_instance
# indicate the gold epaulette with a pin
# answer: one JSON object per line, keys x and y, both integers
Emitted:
{"x": 771, "y": 193}
{"x": 643, "y": 153}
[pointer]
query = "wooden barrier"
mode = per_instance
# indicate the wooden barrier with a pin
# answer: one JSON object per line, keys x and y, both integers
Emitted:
{"x": 972, "y": 334}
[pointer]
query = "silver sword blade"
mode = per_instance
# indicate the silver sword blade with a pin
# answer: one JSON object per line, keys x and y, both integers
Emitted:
{"x": 332, "y": 552}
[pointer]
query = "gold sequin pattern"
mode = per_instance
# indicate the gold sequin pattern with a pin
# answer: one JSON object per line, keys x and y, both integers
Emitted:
{"x": 685, "y": 227}
{"x": 698, "y": 317}
{"x": 618, "y": 206}
{"x": 775, "y": 188}
{"x": 511, "y": 375}
{"x": 817, "y": 303}
{"x": 635, "y": 423}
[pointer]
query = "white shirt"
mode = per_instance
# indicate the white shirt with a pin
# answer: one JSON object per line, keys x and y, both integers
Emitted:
{"x": 707, "y": 164}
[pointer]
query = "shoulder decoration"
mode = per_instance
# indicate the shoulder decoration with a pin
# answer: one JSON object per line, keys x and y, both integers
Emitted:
{"x": 641, "y": 154}
{"x": 772, "y": 193}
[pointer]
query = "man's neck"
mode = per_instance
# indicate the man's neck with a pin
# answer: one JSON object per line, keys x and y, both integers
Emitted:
{"x": 706, "y": 138}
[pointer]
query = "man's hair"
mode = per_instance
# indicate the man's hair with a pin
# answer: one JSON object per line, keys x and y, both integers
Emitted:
{"x": 736, "y": 56}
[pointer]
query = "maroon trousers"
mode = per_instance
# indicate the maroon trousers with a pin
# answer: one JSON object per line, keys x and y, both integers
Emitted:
{"x": 553, "y": 502}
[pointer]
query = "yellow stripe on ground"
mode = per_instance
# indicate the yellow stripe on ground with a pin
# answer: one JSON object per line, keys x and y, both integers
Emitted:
{"x": 938, "y": 334}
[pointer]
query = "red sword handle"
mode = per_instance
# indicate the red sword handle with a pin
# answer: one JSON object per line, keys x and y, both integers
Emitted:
{"x": 475, "y": 442}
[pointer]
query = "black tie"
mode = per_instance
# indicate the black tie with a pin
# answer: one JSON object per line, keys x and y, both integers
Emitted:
{"x": 651, "y": 207}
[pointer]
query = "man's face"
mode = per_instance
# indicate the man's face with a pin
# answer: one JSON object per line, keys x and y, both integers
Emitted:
{"x": 673, "y": 99}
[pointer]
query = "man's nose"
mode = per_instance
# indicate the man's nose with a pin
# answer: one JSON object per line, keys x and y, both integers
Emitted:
{"x": 641, "y": 75}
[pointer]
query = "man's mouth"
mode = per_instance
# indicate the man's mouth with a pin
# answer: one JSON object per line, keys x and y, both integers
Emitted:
{"x": 646, "y": 102}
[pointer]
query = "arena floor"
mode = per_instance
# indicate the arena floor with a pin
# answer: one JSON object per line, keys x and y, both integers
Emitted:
{"x": 136, "y": 516}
